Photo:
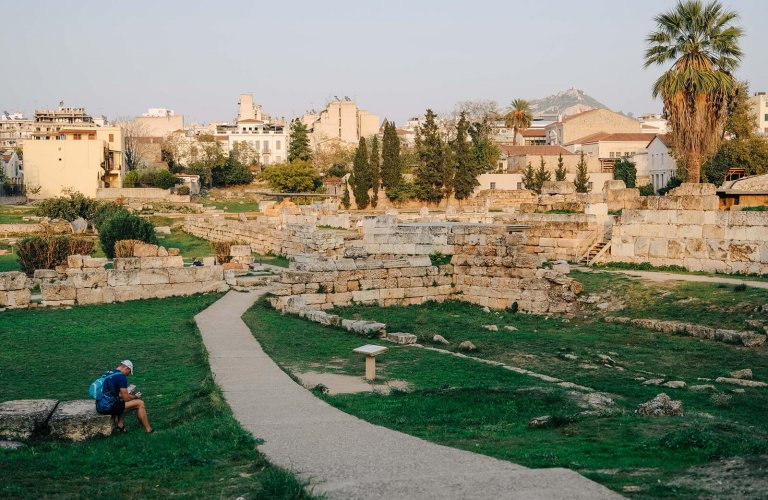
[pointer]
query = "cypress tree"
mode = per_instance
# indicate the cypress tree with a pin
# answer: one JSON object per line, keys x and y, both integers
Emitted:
{"x": 375, "y": 167}
{"x": 464, "y": 161}
{"x": 529, "y": 178}
{"x": 345, "y": 198}
{"x": 582, "y": 178}
{"x": 431, "y": 171}
{"x": 361, "y": 176}
{"x": 391, "y": 171}
{"x": 542, "y": 175}
{"x": 560, "y": 172}
{"x": 299, "y": 145}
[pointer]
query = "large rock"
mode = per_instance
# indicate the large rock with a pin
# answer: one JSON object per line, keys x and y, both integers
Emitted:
{"x": 22, "y": 418}
{"x": 558, "y": 187}
{"x": 79, "y": 225}
{"x": 467, "y": 346}
{"x": 746, "y": 373}
{"x": 78, "y": 421}
{"x": 13, "y": 280}
{"x": 661, "y": 405}
{"x": 742, "y": 382}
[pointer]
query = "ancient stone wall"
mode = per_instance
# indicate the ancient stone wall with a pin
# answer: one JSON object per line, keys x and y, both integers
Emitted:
{"x": 152, "y": 273}
{"x": 14, "y": 293}
{"x": 686, "y": 229}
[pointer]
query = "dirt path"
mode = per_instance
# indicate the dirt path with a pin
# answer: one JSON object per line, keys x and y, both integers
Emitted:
{"x": 658, "y": 277}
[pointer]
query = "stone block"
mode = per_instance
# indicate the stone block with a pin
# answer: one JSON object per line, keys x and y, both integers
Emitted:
{"x": 160, "y": 262}
{"x": 87, "y": 277}
{"x": 126, "y": 263}
{"x": 173, "y": 252}
{"x": 90, "y": 296}
{"x": 212, "y": 273}
{"x": 78, "y": 421}
{"x": 401, "y": 338}
{"x": 15, "y": 298}
{"x": 64, "y": 290}
{"x": 57, "y": 303}
{"x": 181, "y": 274}
{"x": 209, "y": 261}
{"x": 239, "y": 250}
{"x": 22, "y": 418}
{"x": 122, "y": 278}
{"x": 162, "y": 251}
{"x": 75, "y": 261}
{"x": 153, "y": 276}
{"x": 144, "y": 250}
{"x": 94, "y": 262}
{"x": 13, "y": 280}
{"x": 694, "y": 189}
{"x": 45, "y": 274}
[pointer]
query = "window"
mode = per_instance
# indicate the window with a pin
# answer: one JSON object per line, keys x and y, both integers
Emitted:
{"x": 589, "y": 186}
{"x": 111, "y": 137}
{"x": 77, "y": 137}
{"x": 611, "y": 154}
{"x": 277, "y": 145}
{"x": 493, "y": 185}
{"x": 519, "y": 185}
{"x": 266, "y": 146}
{"x": 766, "y": 117}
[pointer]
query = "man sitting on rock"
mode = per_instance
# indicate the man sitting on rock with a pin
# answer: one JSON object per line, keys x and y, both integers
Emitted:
{"x": 117, "y": 401}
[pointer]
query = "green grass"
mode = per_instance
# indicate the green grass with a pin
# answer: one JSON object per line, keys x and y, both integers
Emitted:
{"x": 198, "y": 449}
{"x": 469, "y": 405}
{"x": 189, "y": 245}
{"x": 274, "y": 260}
{"x": 14, "y": 215}
{"x": 234, "y": 206}
{"x": 647, "y": 266}
{"x": 8, "y": 261}
{"x": 758, "y": 208}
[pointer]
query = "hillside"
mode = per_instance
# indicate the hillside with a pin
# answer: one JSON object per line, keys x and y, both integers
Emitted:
{"x": 567, "y": 102}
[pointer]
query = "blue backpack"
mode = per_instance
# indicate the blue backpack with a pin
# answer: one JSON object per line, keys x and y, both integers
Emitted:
{"x": 96, "y": 389}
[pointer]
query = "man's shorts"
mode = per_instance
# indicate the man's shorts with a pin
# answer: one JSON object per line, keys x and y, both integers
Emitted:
{"x": 117, "y": 409}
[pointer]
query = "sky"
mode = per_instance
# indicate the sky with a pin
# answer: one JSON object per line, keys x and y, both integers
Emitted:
{"x": 394, "y": 58}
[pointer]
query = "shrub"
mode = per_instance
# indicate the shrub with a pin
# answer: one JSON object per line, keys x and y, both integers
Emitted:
{"x": 182, "y": 190}
{"x": 47, "y": 252}
{"x": 68, "y": 207}
{"x": 221, "y": 250}
{"x": 125, "y": 226}
{"x": 296, "y": 177}
{"x": 131, "y": 179}
{"x": 672, "y": 184}
{"x": 106, "y": 211}
{"x": 625, "y": 170}
{"x": 758, "y": 208}
{"x": 647, "y": 190}
{"x": 124, "y": 248}
{"x": 438, "y": 259}
{"x": 402, "y": 192}
{"x": 159, "y": 178}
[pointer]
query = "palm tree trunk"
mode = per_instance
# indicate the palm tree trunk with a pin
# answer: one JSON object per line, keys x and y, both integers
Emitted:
{"x": 514, "y": 136}
{"x": 693, "y": 165}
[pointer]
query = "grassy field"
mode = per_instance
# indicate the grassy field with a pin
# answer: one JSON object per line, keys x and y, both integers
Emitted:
{"x": 190, "y": 246}
{"x": 14, "y": 215}
{"x": 483, "y": 408}
{"x": 234, "y": 206}
{"x": 645, "y": 266}
{"x": 198, "y": 449}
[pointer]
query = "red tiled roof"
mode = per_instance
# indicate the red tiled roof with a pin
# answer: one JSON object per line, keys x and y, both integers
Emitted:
{"x": 617, "y": 137}
{"x": 534, "y": 132}
{"x": 7, "y": 158}
{"x": 535, "y": 150}
{"x": 664, "y": 138}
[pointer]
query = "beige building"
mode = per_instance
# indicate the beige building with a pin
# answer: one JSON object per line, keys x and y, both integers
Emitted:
{"x": 569, "y": 130}
{"x": 517, "y": 158}
{"x": 14, "y": 129}
{"x": 759, "y": 104}
{"x": 340, "y": 121}
{"x": 75, "y": 159}
{"x": 159, "y": 122}
{"x": 607, "y": 148}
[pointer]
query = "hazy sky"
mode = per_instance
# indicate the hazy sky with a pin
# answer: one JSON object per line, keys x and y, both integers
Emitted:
{"x": 395, "y": 58}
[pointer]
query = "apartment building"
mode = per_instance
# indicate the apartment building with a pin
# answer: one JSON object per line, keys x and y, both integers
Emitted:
{"x": 759, "y": 104}
{"x": 256, "y": 136}
{"x": 341, "y": 121}
{"x": 80, "y": 159}
{"x": 569, "y": 130}
{"x": 159, "y": 122}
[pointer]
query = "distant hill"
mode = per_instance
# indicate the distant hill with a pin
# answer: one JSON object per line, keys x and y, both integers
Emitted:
{"x": 567, "y": 102}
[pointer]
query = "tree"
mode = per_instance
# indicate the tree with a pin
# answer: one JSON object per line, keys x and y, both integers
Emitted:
{"x": 337, "y": 170}
{"x": 625, "y": 170}
{"x": 750, "y": 154}
{"x": 295, "y": 177}
{"x": 485, "y": 150}
{"x": 136, "y": 148}
{"x": 345, "y": 199}
{"x": 361, "y": 176}
{"x": 431, "y": 171}
{"x": 529, "y": 178}
{"x": 582, "y": 177}
{"x": 740, "y": 123}
{"x": 375, "y": 166}
{"x": 704, "y": 50}
{"x": 245, "y": 153}
{"x": 231, "y": 172}
{"x": 561, "y": 171}
{"x": 391, "y": 164}
{"x": 541, "y": 176}
{"x": 519, "y": 117}
{"x": 124, "y": 226}
{"x": 464, "y": 161}
{"x": 299, "y": 146}
{"x": 333, "y": 154}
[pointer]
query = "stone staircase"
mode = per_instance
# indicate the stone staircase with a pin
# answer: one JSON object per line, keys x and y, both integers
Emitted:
{"x": 258, "y": 275}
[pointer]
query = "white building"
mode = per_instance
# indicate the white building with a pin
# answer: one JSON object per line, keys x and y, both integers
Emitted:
{"x": 653, "y": 123}
{"x": 10, "y": 167}
{"x": 661, "y": 165}
{"x": 265, "y": 141}
{"x": 759, "y": 104}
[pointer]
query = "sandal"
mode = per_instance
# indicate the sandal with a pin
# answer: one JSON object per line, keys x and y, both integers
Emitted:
{"x": 121, "y": 430}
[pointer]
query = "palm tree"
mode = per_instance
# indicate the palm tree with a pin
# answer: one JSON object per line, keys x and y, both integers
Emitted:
{"x": 519, "y": 117}
{"x": 703, "y": 47}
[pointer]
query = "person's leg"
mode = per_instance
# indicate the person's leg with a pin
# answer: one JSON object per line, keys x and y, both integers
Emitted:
{"x": 141, "y": 412}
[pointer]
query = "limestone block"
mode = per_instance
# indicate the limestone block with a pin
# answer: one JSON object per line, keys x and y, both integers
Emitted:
{"x": 401, "y": 338}
{"x": 173, "y": 252}
{"x": 239, "y": 250}
{"x": 64, "y": 290}
{"x": 392, "y": 293}
{"x": 122, "y": 278}
{"x": 365, "y": 296}
{"x": 126, "y": 293}
{"x": 160, "y": 262}
{"x": 126, "y": 263}
{"x": 87, "y": 277}
{"x": 13, "y": 280}
{"x": 75, "y": 261}
{"x": 694, "y": 189}
{"x": 45, "y": 274}
{"x": 90, "y": 295}
{"x": 57, "y": 303}
{"x": 162, "y": 251}
{"x": 212, "y": 273}
{"x": 78, "y": 421}
{"x": 181, "y": 274}
{"x": 22, "y": 418}
{"x": 15, "y": 298}
{"x": 657, "y": 248}
{"x": 669, "y": 203}
{"x": 144, "y": 250}
{"x": 712, "y": 232}
{"x": 209, "y": 261}
{"x": 153, "y": 276}
{"x": 93, "y": 262}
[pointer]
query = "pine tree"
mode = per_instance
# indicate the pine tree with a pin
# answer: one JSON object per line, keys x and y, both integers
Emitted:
{"x": 391, "y": 170}
{"x": 582, "y": 178}
{"x": 529, "y": 178}
{"x": 560, "y": 172}
{"x": 345, "y": 198}
{"x": 375, "y": 166}
{"x": 361, "y": 176}
{"x": 431, "y": 171}
{"x": 299, "y": 146}
{"x": 541, "y": 176}
{"x": 464, "y": 161}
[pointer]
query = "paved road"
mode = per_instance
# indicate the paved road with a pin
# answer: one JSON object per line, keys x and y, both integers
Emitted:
{"x": 343, "y": 456}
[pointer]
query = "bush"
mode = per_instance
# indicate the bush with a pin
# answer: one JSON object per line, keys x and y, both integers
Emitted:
{"x": 221, "y": 250}
{"x": 758, "y": 208}
{"x": 296, "y": 177}
{"x": 647, "y": 190}
{"x": 131, "y": 179}
{"x": 159, "y": 178}
{"x": 125, "y": 226}
{"x": 124, "y": 248}
{"x": 183, "y": 190}
{"x": 47, "y": 252}
{"x": 672, "y": 184}
{"x": 625, "y": 170}
{"x": 402, "y": 192}
{"x": 68, "y": 207}
{"x": 106, "y": 211}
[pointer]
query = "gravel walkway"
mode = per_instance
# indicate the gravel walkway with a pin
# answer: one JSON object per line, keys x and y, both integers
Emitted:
{"x": 343, "y": 456}
{"x": 660, "y": 276}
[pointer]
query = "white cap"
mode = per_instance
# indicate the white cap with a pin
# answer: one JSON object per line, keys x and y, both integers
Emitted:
{"x": 127, "y": 362}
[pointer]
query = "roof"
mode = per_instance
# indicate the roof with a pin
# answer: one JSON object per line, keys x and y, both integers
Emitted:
{"x": 332, "y": 180}
{"x": 533, "y": 132}
{"x": 664, "y": 138}
{"x": 535, "y": 150}
{"x": 569, "y": 118}
{"x": 249, "y": 120}
{"x": 617, "y": 137}
{"x": 7, "y": 157}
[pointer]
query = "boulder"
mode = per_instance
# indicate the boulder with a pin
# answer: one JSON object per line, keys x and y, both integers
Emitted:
{"x": 510, "y": 328}
{"x": 702, "y": 388}
{"x": 22, "y": 418}
{"x": 13, "y": 280}
{"x": 742, "y": 382}
{"x": 78, "y": 421}
{"x": 542, "y": 421}
{"x": 561, "y": 266}
{"x": 491, "y": 328}
{"x": 467, "y": 346}
{"x": 162, "y": 252}
{"x": 11, "y": 445}
{"x": 654, "y": 381}
{"x": 674, "y": 384}
{"x": 162, "y": 229}
{"x": 746, "y": 373}
{"x": 661, "y": 405}
{"x": 79, "y": 225}
{"x": 571, "y": 357}
{"x": 173, "y": 252}
{"x": 439, "y": 339}
{"x": 401, "y": 338}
